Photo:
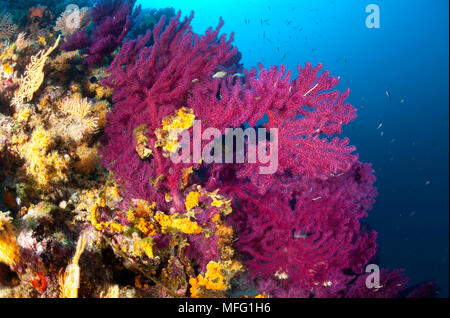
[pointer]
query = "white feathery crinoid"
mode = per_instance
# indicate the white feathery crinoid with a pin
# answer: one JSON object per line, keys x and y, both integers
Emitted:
{"x": 79, "y": 121}
{"x": 72, "y": 19}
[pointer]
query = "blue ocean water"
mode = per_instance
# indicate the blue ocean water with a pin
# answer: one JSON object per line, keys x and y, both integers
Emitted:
{"x": 404, "y": 135}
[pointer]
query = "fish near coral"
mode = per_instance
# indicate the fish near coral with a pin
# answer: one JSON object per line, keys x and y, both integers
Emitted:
{"x": 9, "y": 200}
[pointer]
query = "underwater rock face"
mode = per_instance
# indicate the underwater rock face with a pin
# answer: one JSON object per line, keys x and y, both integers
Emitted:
{"x": 93, "y": 204}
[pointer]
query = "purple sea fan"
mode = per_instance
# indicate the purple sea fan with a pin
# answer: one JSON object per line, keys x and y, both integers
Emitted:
{"x": 112, "y": 20}
{"x": 298, "y": 229}
{"x": 306, "y": 111}
{"x": 78, "y": 40}
{"x": 308, "y": 241}
{"x": 150, "y": 83}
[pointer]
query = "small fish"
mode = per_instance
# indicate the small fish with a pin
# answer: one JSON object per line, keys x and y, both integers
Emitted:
{"x": 427, "y": 183}
{"x": 392, "y": 140}
{"x": 304, "y": 95}
{"x": 380, "y": 125}
{"x": 219, "y": 74}
{"x": 317, "y": 198}
{"x": 345, "y": 59}
{"x": 412, "y": 213}
{"x": 283, "y": 57}
{"x": 382, "y": 134}
{"x": 402, "y": 101}
{"x": 388, "y": 94}
{"x": 301, "y": 234}
{"x": 238, "y": 75}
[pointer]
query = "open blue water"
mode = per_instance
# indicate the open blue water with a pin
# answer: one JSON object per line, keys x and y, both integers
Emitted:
{"x": 407, "y": 57}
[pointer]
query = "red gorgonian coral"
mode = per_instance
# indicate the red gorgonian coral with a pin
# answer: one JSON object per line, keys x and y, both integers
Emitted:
{"x": 299, "y": 230}
{"x": 151, "y": 83}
